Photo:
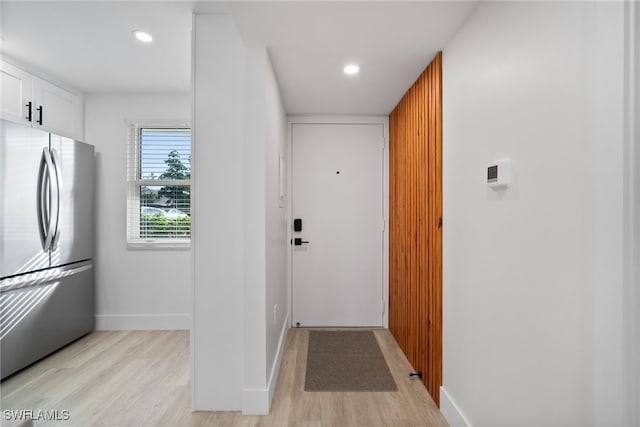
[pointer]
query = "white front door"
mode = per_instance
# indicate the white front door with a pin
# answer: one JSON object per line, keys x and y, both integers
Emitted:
{"x": 337, "y": 183}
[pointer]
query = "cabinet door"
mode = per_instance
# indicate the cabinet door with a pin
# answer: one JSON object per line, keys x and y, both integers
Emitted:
{"x": 56, "y": 110}
{"x": 16, "y": 93}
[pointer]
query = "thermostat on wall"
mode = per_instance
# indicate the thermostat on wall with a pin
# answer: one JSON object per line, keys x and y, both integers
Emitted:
{"x": 499, "y": 174}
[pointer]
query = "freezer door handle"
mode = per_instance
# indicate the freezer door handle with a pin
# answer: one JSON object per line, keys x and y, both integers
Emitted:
{"x": 48, "y": 199}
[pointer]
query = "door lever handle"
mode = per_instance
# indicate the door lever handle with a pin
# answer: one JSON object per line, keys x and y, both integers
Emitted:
{"x": 298, "y": 241}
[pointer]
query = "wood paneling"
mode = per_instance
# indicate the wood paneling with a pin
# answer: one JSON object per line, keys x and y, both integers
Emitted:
{"x": 415, "y": 249}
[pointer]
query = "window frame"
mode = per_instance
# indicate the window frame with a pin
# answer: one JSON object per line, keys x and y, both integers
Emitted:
{"x": 134, "y": 182}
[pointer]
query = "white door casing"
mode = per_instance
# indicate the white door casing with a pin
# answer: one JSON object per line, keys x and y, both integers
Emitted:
{"x": 337, "y": 191}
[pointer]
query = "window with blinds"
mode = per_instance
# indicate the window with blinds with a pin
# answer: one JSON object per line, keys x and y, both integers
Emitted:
{"x": 159, "y": 186}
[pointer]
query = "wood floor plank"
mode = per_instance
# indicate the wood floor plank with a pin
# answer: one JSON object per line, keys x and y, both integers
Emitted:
{"x": 141, "y": 378}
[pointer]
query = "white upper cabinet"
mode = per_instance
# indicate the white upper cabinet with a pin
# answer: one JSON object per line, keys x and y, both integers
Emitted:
{"x": 16, "y": 93}
{"x": 56, "y": 110}
{"x": 35, "y": 102}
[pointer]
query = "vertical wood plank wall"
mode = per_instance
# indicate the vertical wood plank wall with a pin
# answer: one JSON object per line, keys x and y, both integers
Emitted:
{"x": 415, "y": 206}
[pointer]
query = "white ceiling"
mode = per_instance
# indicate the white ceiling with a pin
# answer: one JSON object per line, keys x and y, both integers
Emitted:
{"x": 89, "y": 45}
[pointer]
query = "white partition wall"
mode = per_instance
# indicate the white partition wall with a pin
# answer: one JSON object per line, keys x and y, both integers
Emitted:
{"x": 239, "y": 288}
{"x": 217, "y": 242}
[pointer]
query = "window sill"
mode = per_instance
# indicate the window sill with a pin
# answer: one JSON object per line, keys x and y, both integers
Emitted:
{"x": 154, "y": 245}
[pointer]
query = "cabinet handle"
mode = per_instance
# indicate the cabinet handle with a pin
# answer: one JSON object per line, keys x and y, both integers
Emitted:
{"x": 40, "y": 115}
{"x": 28, "y": 105}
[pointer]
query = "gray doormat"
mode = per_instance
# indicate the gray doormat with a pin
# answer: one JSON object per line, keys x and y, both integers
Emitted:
{"x": 346, "y": 361}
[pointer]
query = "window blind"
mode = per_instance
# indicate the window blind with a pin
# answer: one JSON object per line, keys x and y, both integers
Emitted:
{"x": 159, "y": 185}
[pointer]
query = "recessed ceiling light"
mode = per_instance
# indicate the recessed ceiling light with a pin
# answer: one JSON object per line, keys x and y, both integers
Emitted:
{"x": 351, "y": 69}
{"x": 142, "y": 36}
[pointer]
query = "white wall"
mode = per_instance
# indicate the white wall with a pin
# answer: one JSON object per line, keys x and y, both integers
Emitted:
{"x": 265, "y": 234}
{"x": 254, "y": 382}
{"x": 218, "y": 67}
{"x": 532, "y": 275}
{"x": 607, "y": 140}
{"x": 240, "y": 233}
{"x": 276, "y": 312}
{"x": 134, "y": 289}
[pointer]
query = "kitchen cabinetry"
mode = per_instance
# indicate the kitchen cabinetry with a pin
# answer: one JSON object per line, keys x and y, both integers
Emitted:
{"x": 16, "y": 90}
{"x": 38, "y": 103}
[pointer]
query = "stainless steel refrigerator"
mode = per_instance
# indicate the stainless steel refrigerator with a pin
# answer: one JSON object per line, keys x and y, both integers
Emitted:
{"x": 46, "y": 244}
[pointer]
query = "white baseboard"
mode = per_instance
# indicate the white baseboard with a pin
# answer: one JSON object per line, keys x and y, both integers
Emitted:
{"x": 132, "y": 322}
{"x": 451, "y": 411}
{"x": 258, "y": 401}
{"x": 275, "y": 369}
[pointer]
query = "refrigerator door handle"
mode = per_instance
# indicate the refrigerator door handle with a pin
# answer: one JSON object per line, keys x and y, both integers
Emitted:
{"x": 48, "y": 199}
{"x": 42, "y": 208}
{"x": 56, "y": 168}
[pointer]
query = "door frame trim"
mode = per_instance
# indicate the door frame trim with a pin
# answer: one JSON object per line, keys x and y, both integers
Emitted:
{"x": 341, "y": 120}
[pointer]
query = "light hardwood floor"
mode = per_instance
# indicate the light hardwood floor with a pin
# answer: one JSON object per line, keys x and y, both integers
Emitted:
{"x": 141, "y": 378}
